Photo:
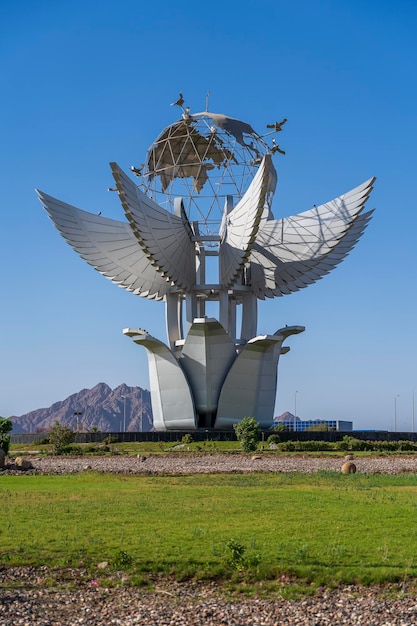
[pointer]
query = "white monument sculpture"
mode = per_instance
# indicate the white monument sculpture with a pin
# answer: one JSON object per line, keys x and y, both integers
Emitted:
{"x": 206, "y": 191}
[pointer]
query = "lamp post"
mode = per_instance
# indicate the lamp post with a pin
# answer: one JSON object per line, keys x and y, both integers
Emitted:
{"x": 395, "y": 412}
{"x": 412, "y": 420}
{"x": 77, "y": 415}
{"x": 124, "y": 413}
{"x": 295, "y": 411}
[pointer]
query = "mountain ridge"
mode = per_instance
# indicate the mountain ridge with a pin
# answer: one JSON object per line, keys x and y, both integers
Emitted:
{"x": 101, "y": 408}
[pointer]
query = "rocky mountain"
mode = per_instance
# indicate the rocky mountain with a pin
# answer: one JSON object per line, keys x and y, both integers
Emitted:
{"x": 286, "y": 417}
{"x": 101, "y": 408}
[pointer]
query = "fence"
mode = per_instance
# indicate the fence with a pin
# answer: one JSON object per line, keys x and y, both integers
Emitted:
{"x": 220, "y": 435}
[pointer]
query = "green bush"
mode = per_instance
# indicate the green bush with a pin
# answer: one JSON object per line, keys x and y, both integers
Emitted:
{"x": 274, "y": 439}
{"x": 5, "y": 427}
{"x": 247, "y": 433}
{"x": 318, "y": 428}
{"x": 111, "y": 439}
{"x": 122, "y": 560}
{"x": 237, "y": 557}
{"x": 235, "y": 553}
{"x": 345, "y": 444}
{"x": 72, "y": 450}
{"x": 41, "y": 442}
{"x": 280, "y": 428}
{"x": 60, "y": 437}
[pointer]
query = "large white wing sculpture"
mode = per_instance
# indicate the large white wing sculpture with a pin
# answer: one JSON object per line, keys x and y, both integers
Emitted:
{"x": 294, "y": 252}
{"x": 109, "y": 246}
{"x": 210, "y": 376}
{"x": 165, "y": 238}
{"x": 240, "y": 226}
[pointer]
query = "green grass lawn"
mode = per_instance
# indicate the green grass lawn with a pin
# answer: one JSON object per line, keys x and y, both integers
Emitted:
{"x": 324, "y": 528}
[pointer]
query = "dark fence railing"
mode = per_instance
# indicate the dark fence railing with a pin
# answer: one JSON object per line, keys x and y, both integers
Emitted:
{"x": 221, "y": 435}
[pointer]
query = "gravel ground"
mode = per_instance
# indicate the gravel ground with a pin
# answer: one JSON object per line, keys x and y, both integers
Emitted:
{"x": 177, "y": 463}
{"x": 186, "y": 603}
{"x": 26, "y": 601}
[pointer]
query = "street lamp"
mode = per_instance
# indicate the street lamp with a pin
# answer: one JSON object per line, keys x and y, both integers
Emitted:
{"x": 77, "y": 414}
{"x": 395, "y": 412}
{"x": 124, "y": 413}
{"x": 295, "y": 411}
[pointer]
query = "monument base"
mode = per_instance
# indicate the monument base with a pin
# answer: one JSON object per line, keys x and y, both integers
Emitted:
{"x": 208, "y": 382}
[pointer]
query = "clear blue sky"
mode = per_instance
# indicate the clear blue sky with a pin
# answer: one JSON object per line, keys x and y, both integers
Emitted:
{"x": 85, "y": 83}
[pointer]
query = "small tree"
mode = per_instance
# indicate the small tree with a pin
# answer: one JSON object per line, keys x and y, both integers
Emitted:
{"x": 280, "y": 427}
{"x": 247, "y": 433}
{"x": 60, "y": 436}
{"x": 318, "y": 428}
{"x": 5, "y": 427}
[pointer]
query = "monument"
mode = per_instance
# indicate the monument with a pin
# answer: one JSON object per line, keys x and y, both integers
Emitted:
{"x": 203, "y": 198}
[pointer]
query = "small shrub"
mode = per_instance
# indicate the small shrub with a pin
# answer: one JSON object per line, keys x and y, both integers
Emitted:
{"x": 41, "y": 442}
{"x": 345, "y": 444}
{"x": 111, "y": 439}
{"x": 237, "y": 557}
{"x": 72, "y": 450}
{"x": 247, "y": 433}
{"x": 123, "y": 560}
{"x": 60, "y": 437}
{"x": 5, "y": 427}
{"x": 318, "y": 428}
{"x": 236, "y": 553}
{"x": 288, "y": 446}
{"x": 274, "y": 439}
{"x": 280, "y": 428}
{"x": 187, "y": 439}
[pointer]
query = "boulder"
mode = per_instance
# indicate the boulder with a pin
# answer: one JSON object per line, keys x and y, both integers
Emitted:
{"x": 23, "y": 464}
{"x": 348, "y": 468}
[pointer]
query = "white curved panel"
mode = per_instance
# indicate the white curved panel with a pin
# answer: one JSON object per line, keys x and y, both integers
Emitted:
{"x": 206, "y": 358}
{"x": 171, "y": 397}
{"x": 251, "y": 384}
{"x": 109, "y": 246}
{"x": 165, "y": 237}
{"x": 291, "y": 253}
{"x": 250, "y": 387}
{"x": 240, "y": 226}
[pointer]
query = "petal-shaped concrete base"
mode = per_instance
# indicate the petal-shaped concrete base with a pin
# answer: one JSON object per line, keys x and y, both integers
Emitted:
{"x": 251, "y": 385}
{"x": 171, "y": 397}
{"x": 206, "y": 358}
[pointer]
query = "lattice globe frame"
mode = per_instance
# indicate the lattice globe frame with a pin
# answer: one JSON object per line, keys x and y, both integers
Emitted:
{"x": 222, "y": 167}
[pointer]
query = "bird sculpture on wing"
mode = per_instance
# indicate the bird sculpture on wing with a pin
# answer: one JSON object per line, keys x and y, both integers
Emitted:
{"x": 277, "y": 126}
{"x": 179, "y": 102}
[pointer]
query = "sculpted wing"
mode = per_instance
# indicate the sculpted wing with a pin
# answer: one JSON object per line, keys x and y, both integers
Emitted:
{"x": 164, "y": 237}
{"x": 109, "y": 246}
{"x": 294, "y": 252}
{"x": 240, "y": 226}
